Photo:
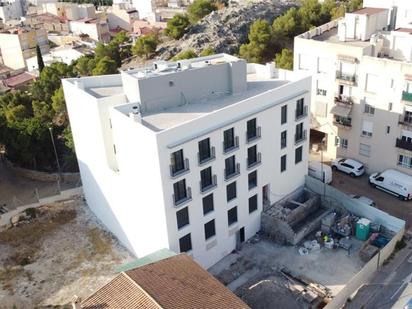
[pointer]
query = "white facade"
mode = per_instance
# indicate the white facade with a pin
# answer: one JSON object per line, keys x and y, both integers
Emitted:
{"x": 122, "y": 16}
{"x": 125, "y": 153}
{"x": 61, "y": 54}
{"x": 361, "y": 98}
{"x": 96, "y": 29}
{"x": 11, "y": 9}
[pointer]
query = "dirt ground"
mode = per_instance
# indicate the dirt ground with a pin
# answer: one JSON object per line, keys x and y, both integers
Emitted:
{"x": 62, "y": 252}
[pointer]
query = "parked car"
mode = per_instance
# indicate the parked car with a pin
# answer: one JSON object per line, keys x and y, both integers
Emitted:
{"x": 348, "y": 166}
{"x": 364, "y": 200}
{"x": 393, "y": 182}
{"x": 320, "y": 171}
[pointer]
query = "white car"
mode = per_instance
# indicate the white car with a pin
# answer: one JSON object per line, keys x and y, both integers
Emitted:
{"x": 364, "y": 199}
{"x": 348, "y": 166}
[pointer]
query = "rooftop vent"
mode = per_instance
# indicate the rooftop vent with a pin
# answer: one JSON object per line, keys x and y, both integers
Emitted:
{"x": 135, "y": 114}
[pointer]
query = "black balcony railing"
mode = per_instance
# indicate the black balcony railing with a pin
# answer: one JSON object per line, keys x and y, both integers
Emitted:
{"x": 301, "y": 113}
{"x": 179, "y": 200}
{"x": 342, "y": 121}
{"x": 252, "y": 162}
{"x": 230, "y": 173}
{"x": 251, "y": 136}
{"x": 300, "y": 137}
{"x": 403, "y": 144}
{"x": 177, "y": 171}
{"x": 204, "y": 159}
{"x": 204, "y": 187}
{"x": 342, "y": 99}
{"x": 230, "y": 148}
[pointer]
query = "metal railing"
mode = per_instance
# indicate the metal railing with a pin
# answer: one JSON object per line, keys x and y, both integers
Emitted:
{"x": 343, "y": 99}
{"x": 299, "y": 114}
{"x": 251, "y": 138}
{"x": 342, "y": 122}
{"x": 232, "y": 147}
{"x": 211, "y": 157}
{"x": 206, "y": 187}
{"x": 184, "y": 199}
{"x": 177, "y": 172}
{"x": 229, "y": 174}
{"x": 351, "y": 78}
{"x": 403, "y": 144}
{"x": 406, "y": 96}
{"x": 257, "y": 161}
{"x": 300, "y": 137}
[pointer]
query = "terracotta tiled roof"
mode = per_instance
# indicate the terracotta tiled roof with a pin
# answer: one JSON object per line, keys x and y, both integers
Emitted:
{"x": 369, "y": 11}
{"x": 19, "y": 80}
{"x": 172, "y": 283}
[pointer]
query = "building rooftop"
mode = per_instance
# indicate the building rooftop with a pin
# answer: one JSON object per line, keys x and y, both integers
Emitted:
{"x": 369, "y": 11}
{"x": 331, "y": 36}
{"x": 172, "y": 283}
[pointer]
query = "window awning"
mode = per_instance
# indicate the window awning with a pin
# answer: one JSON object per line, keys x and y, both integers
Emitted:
{"x": 341, "y": 110}
{"x": 346, "y": 58}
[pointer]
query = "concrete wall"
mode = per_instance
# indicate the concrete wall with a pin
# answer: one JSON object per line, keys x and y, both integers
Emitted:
{"x": 11, "y": 51}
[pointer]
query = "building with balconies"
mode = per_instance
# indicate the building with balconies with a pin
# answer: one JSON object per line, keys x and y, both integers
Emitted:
{"x": 183, "y": 155}
{"x": 362, "y": 84}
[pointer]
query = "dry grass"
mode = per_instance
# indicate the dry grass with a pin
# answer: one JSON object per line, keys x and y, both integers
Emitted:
{"x": 100, "y": 241}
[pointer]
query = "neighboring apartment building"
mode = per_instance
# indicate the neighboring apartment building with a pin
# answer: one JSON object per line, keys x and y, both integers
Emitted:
{"x": 17, "y": 45}
{"x": 95, "y": 28}
{"x": 362, "y": 85}
{"x": 70, "y": 11}
{"x": 11, "y": 9}
{"x": 183, "y": 155}
{"x": 122, "y": 16}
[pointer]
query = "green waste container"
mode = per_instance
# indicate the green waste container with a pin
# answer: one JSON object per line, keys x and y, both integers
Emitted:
{"x": 363, "y": 229}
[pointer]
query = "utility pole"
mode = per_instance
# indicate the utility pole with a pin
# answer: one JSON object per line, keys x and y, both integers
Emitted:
{"x": 57, "y": 158}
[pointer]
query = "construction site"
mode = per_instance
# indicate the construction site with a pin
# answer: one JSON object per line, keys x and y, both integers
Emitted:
{"x": 316, "y": 247}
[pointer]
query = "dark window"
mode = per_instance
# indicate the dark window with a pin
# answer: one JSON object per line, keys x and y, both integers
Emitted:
{"x": 229, "y": 139}
{"x": 182, "y": 217}
{"x": 253, "y": 203}
{"x": 283, "y": 139}
{"x": 210, "y": 230}
{"x": 252, "y": 179}
{"x": 179, "y": 189}
{"x": 231, "y": 191}
{"x": 206, "y": 177}
{"x": 204, "y": 150}
{"x": 207, "y": 204}
{"x": 251, "y": 155}
{"x": 299, "y": 132}
{"x": 251, "y": 129}
{"x": 284, "y": 114}
{"x": 283, "y": 163}
{"x": 300, "y": 107}
{"x": 185, "y": 243}
{"x": 230, "y": 166}
{"x": 177, "y": 161}
{"x": 298, "y": 154}
{"x": 232, "y": 216}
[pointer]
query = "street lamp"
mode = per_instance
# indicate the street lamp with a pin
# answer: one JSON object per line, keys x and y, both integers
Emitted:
{"x": 57, "y": 158}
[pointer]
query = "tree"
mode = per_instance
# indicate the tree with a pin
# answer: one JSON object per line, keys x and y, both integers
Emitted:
{"x": 145, "y": 46}
{"x": 40, "y": 62}
{"x": 208, "y": 51}
{"x": 354, "y": 5}
{"x": 186, "y": 54}
{"x": 284, "y": 60}
{"x": 105, "y": 66}
{"x": 177, "y": 26}
{"x": 199, "y": 9}
{"x": 260, "y": 47}
{"x": 85, "y": 65}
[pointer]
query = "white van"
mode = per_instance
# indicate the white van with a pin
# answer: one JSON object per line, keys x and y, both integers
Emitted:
{"x": 316, "y": 169}
{"x": 393, "y": 182}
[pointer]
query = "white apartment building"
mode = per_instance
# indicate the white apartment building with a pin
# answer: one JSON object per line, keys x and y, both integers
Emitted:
{"x": 70, "y": 11}
{"x": 95, "y": 28}
{"x": 183, "y": 155}
{"x": 19, "y": 44}
{"x": 12, "y": 9}
{"x": 362, "y": 85}
{"x": 122, "y": 16}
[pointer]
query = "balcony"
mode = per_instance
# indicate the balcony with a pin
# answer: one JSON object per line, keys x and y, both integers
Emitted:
{"x": 403, "y": 144}
{"x": 178, "y": 201}
{"x": 407, "y": 97}
{"x": 252, "y": 136}
{"x": 176, "y": 171}
{"x": 344, "y": 100}
{"x": 253, "y": 162}
{"x": 299, "y": 114}
{"x": 229, "y": 174}
{"x": 207, "y": 187}
{"x": 205, "y": 159}
{"x": 342, "y": 122}
{"x": 405, "y": 121}
{"x": 235, "y": 146}
{"x": 345, "y": 78}
{"x": 299, "y": 138}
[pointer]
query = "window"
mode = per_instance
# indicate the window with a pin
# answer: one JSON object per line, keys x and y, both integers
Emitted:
{"x": 232, "y": 216}
{"x": 253, "y": 203}
{"x": 300, "y": 108}
{"x": 179, "y": 189}
{"x": 252, "y": 180}
{"x": 231, "y": 191}
{"x": 407, "y": 117}
{"x": 210, "y": 230}
{"x": 185, "y": 243}
{"x": 284, "y": 114}
{"x": 372, "y": 83}
{"x": 407, "y": 139}
{"x": 228, "y": 139}
{"x": 369, "y": 109}
{"x": 388, "y": 129}
{"x": 405, "y": 161}
{"x": 207, "y": 204}
{"x": 390, "y": 105}
{"x": 204, "y": 150}
{"x": 298, "y": 154}
{"x": 299, "y": 135}
{"x": 206, "y": 178}
{"x": 283, "y": 163}
{"x": 365, "y": 150}
{"x": 182, "y": 217}
{"x": 252, "y": 155}
{"x": 177, "y": 161}
{"x": 283, "y": 139}
{"x": 341, "y": 142}
{"x": 251, "y": 129}
{"x": 367, "y": 128}
{"x": 230, "y": 166}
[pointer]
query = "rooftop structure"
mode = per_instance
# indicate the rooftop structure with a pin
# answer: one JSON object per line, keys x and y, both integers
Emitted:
{"x": 196, "y": 140}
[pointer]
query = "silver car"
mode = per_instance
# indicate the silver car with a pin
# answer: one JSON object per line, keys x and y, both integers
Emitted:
{"x": 364, "y": 200}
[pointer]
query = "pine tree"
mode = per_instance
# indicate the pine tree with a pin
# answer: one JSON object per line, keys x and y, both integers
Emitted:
{"x": 40, "y": 62}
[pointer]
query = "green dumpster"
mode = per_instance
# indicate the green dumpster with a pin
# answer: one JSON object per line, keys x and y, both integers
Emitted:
{"x": 363, "y": 229}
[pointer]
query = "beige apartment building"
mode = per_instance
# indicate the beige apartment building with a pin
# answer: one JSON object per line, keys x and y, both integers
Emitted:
{"x": 19, "y": 44}
{"x": 361, "y": 106}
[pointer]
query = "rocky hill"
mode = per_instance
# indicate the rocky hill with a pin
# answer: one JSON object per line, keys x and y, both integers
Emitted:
{"x": 225, "y": 30}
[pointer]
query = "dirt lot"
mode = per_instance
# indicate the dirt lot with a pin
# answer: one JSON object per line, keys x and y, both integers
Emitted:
{"x": 62, "y": 252}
